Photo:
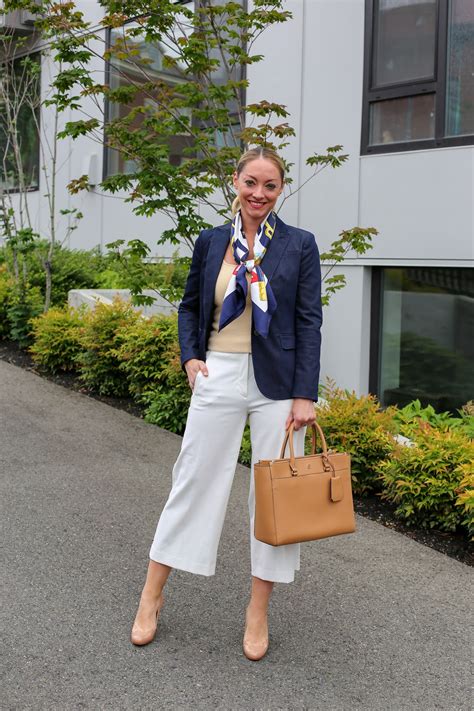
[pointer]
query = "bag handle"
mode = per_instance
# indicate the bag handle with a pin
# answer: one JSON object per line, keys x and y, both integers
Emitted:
{"x": 316, "y": 430}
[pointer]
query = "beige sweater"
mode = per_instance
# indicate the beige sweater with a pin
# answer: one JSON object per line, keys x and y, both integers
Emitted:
{"x": 236, "y": 336}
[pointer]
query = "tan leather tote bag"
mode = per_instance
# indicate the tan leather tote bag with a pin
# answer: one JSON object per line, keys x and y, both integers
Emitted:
{"x": 303, "y": 498}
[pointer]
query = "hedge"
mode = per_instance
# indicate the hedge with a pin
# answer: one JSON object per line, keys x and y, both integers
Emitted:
{"x": 357, "y": 424}
{"x": 57, "y": 338}
{"x": 426, "y": 479}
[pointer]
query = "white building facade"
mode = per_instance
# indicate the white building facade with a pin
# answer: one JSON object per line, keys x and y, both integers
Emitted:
{"x": 393, "y": 82}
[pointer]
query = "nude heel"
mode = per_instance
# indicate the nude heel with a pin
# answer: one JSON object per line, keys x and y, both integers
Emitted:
{"x": 254, "y": 650}
{"x": 140, "y": 636}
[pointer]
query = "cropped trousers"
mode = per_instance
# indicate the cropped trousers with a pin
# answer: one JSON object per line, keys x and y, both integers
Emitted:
{"x": 190, "y": 525}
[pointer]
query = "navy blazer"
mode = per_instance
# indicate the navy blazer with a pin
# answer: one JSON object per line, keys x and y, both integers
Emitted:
{"x": 286, "y": 363}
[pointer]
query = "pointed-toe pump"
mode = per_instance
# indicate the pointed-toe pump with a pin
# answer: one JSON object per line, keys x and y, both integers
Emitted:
{"x": 141, "y": 636}
{"x": 255, "y": 650}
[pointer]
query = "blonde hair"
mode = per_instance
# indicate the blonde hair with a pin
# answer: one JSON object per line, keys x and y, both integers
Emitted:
{"x": 254, "y": 154}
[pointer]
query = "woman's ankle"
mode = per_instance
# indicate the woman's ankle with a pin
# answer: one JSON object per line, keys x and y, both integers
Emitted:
{"x": 156, "y": 578}
{"x": 150, "y": 596}
{"x": 255, "y": 608}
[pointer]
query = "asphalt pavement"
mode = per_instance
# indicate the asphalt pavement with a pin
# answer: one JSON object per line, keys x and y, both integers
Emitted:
{"x": 374, "y": 620}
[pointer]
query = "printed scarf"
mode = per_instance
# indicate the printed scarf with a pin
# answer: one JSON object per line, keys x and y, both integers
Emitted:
{"x": 263, "y": 300}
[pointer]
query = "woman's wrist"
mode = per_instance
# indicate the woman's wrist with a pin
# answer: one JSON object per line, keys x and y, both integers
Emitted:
{"x": 302, "y": 413}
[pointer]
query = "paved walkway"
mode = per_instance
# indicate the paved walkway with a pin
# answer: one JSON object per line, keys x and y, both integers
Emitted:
{"x": 373, "y": 621}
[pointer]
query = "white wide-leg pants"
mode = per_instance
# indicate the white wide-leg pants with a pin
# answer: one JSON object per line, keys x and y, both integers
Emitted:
{"x": 190, "y": 526}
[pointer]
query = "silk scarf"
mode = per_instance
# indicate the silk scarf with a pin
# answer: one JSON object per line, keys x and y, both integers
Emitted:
{"x": 263, "y": 300}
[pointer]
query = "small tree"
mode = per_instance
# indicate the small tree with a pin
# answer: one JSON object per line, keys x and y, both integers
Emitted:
{"x": 21, "y": 137}
{"x": 19, "y": 105}
{"x": 176, "y": 90}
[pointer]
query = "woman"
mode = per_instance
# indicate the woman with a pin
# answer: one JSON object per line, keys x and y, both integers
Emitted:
{"x": 249, "y": 331}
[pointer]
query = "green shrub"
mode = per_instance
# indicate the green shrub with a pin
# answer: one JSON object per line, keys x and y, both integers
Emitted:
{"x": 6, "y": 285}
{"x": 101, "y": 339}
{"x": 111, "y": 279}
{"x": 169, "y": 276}
{"x": 409, "y": 417}
{"x": 464, "y": 423}
{"x": 71, "y": 269}
{"x": 466, "y": 498}
{"x": 24, "y": 303}
{"x": 145, "y": 346}
{"x": 425, "y": 479}
{"x": 245, "y": 455}
{"x": 357, "y": 425}
{"x": 468, "y": 408}
{"x": 168, "y": 403}
{"x": 57, "y": 339}
{"x": 168, "y": 409}
{"x": 89, "y": 269}
{"x": 164, "y": 276}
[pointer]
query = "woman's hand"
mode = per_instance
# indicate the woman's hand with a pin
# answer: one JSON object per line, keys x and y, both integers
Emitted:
{"x": 302, "y": 413}
{"x": 192, "y": 368}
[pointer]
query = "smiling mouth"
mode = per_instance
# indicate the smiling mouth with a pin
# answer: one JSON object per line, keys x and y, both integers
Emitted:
{"x": 255, "y": 204}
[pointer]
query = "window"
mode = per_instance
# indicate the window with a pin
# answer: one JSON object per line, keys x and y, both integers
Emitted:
{"x": 418, "y": 74}
{"x": 19, "y": 122}
{"x": 460, "y": 69}
{"x": 422, "y": 336}
{"x": 147, "y": 64}
{"x": 221, "y": 75}
{"x": 122, "y": 72}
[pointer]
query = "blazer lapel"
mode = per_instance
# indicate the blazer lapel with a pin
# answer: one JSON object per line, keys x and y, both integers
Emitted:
{"x": 217, "y": 248}
{"x": 276, "y": 249}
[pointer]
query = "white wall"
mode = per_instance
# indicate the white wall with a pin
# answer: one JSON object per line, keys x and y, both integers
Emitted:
{"x": 421, "y": 202}
{"x": 313, "y": 65}
{"x": 332, "y": 105}
{"x": 345, "y": 333}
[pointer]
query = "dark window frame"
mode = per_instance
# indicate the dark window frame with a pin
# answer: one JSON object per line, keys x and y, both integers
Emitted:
{"x": 378, "y": 276}
{"x": 375, "y": 327}
{"x": 437, "y": 85}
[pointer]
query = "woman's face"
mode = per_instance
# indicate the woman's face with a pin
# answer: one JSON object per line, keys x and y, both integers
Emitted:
{"x": 258, "y": 187}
